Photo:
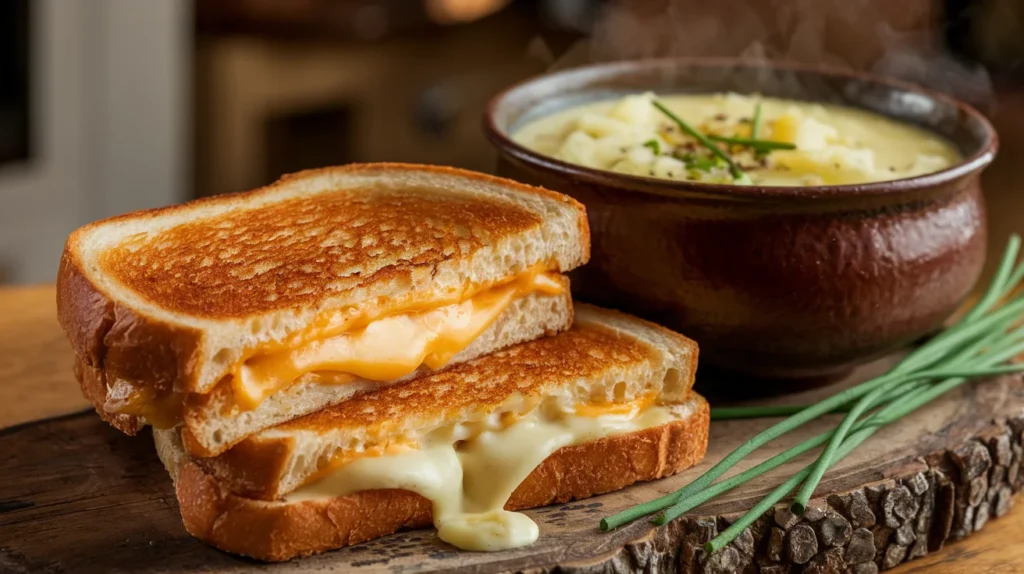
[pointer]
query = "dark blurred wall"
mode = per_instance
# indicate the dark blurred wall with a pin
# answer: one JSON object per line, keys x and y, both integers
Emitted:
{"x": 281, "y": 88}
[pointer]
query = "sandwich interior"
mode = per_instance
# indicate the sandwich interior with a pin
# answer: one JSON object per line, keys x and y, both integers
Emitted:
{"x": 380, "y": 342}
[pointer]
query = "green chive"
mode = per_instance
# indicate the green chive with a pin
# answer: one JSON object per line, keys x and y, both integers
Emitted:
{"x": 757, "y": 120}
{"x": 733, "y": 168}
{"x": 1002, "y": 280}
{"x": 653, "y": 146}
{"x": 758, "y": 145}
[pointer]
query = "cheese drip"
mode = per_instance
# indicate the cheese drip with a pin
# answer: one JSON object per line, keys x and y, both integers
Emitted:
{"x": 469, "y": 476}
{"x": 388, "y": 348}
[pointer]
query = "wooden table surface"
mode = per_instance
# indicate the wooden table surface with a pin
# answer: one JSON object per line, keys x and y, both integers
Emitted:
{"x": 36, "y": 382}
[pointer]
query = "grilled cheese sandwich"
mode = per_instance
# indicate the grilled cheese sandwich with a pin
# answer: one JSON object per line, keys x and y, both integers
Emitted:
{"x": 463, "y": 448}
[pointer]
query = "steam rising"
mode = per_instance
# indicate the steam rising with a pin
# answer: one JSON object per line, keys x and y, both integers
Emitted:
{"x": 887, "y": 38}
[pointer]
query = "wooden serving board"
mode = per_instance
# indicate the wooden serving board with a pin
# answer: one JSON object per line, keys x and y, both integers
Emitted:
{"x": 78, "y": 496}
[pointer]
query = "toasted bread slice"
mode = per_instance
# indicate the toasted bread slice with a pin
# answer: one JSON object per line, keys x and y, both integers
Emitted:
{"x": 173, "y": 298}
{"x": 275, "y": 531}
{"x": 605, "y": 358}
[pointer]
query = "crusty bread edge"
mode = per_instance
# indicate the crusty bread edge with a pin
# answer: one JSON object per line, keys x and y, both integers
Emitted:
{"x": 111, "y": 340}
{"x": 277, "y": 531}
{"x": 123, "y": 344}
{"x": 637, "y": 327}
{"x": 94, "y": 389}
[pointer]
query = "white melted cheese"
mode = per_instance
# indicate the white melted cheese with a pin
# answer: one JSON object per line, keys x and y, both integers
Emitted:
{"x": 469, "y": 480}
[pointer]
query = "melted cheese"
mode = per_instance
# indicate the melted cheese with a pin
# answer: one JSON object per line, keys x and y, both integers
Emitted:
{"x": 388, "y": 348}
{"x": 469, "y": 480}
{"x": 159, "y": 409}
{"x": 616, "y": 408}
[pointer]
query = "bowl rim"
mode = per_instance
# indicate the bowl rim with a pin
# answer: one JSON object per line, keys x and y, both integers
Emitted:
{"x": 504, "y": 144}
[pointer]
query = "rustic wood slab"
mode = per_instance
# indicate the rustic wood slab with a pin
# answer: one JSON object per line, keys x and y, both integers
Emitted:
{"x": 79, "y": 496}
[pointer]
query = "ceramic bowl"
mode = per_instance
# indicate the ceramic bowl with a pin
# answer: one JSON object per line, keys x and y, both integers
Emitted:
{"x": 777, "y": 282}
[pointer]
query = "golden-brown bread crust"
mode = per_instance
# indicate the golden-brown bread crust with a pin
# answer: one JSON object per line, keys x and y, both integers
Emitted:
{"x": 276, "y": 531}
{"x": 681, "y": 340}
{"x": 114, "y": 339}
{"x": 258, "y": 466}
{"x": 334, "y": 249}
{"x": 128, "y": 345}
{"x": 423, "y": 230}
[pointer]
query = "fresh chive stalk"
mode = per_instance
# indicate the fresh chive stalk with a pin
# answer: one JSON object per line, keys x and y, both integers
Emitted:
{"x": 734, "y": 169}
{"x": 761, "y": 146}
{"x": 757, "y": 121}
{"x": 979, "y": 344}
{"x": 1005, "y": 279}
{"x": 732, "y": 413}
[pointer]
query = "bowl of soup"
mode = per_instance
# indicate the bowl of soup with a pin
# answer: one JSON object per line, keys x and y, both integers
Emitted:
{"x": 795, "y": 221}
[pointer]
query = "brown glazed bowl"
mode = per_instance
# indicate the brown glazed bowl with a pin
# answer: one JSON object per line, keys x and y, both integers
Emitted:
{"x": 797, "y": 283}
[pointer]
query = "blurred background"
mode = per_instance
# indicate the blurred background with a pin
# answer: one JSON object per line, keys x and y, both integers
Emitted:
{"x": 108, "y": 106}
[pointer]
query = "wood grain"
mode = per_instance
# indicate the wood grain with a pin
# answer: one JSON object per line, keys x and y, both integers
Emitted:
{"x": 35, "y": 358}
{"x": 79, "y": 496}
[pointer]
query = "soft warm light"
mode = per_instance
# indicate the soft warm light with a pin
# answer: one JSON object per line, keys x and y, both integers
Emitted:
{"x": 462, "y": 11}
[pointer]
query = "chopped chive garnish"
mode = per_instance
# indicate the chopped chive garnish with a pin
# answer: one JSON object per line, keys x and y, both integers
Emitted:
{"x": 653, "y": 146}
{"x": 984, "y": 342}
{"x": 759, "y": 145}
{"x": 756, "y": 122}
{"x": 702, "y": 163}
{"x": 733, "y": 168}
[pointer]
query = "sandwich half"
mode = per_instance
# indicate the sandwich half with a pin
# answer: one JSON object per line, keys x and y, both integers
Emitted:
{"x": 232, "y": 314}
{"x": 591, "y": 410}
